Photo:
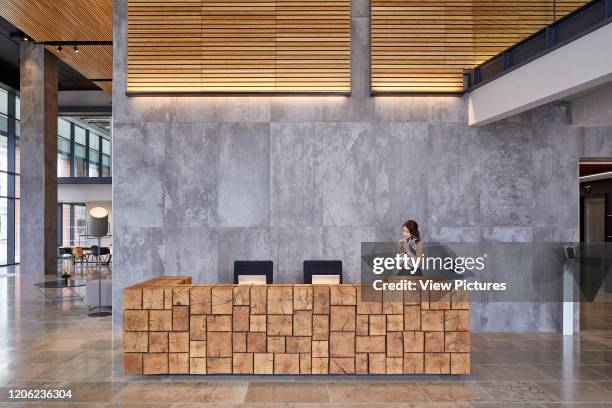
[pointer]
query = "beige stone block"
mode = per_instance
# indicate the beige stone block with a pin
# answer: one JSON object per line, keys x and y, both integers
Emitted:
{"x": 432, "y": 320}
{"x": 342, "y": 365}
{"x": 439, "y": 299}
{"x": 178, "y": 342}
{"x": 280, "y": 300}
{"x": 395, "y": 365}
{"x": 361, "y": 363}
{"x": 197, "y": 349}
{"x": 302, "y": 323}
{"x": 413, "y": 363}
{"x": 286, "y": 363}
{"x": 132, "y": 363}
{"x": 362, "y": 325}
{"x": 378, "y": 325}
{"x": 263, "y": 363}
{"x": 178, "y": 363}
{"x": 259, "y": 300}
{"x": 155, "y": 363}
{"x": 135, "y": 320}
{"x": 257, "y": 323}
{"x": 242, "y": 363}
{"x": 216, "y": 365}
{"x": 180, "y": 296}
{"x": 201, "y": 302}
{"x": 460, "y": 363}
{"x": 240, "y": 318}
{"x": 342, "y": 344}
{"x": 342, "y": 318}
{"x": 160, "y": 320}
{"x": 280, "y": 325}
{"x": 239, "y": 342}
{"x": 414, "y": 342}
{"x": 180, "y": 318}
{"x": 320, "y": 348}
{"x": 197, "y": 327}
{"x": 456, "y": 320}
{"x": 158, "y": 342}
{"x": 242, "y": 295}
{"x": 460, "y": 299}
{"x": 377, "y": 363}
{"x": 256, "y": 342}
{"x": 296, "y": 344}
{"x": 437, "y": 363}
{"x": 320, "y": 365}
{"x": 342, "y": 295}
{"x": 395, "y": 322}
{"x": 135, "y": 342}
{"x": 197, "y": 366}
{"x": 132, "y": 299}
{"x": 276, "y": 344}
{"x": 457, "y": 342}
{"x": 320, "y": 303}
{"x": 152, "y": 298}
{"x": 219, "y": 344}
{"x": 305, "y": 363}
{"x": 412, "y": 318}
{"x": 217, "y": 323}
{"x": 302, "y": 297}
{"x": 222, "y": 300}
{"x": 320, "y": 327}
{"x": 434, "y": 342}
{"x": 168, "y": 298}
{"x": 395, "y": 344}
{"x": 370, "y": 344}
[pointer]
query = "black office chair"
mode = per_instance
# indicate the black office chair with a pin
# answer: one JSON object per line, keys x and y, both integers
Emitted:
{"x": 253, "y": 268}
{"x": 322, "y": 268}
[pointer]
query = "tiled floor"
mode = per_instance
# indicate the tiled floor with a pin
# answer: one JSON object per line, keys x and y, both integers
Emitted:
{"x": 57, "y": 346}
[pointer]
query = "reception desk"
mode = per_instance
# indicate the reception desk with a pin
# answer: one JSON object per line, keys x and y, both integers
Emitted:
{"x": 173, "y": 327}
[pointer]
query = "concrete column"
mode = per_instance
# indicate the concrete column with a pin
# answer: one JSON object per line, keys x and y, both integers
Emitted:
{"x": 38, "y": 215}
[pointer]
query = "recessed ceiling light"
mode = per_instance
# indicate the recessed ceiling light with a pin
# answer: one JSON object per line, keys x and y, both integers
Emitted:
{"x": 59, "y": 48}
{"x": 76, "y": 49}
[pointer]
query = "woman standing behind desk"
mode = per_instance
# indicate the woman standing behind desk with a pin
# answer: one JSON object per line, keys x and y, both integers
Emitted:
{"x": 411, "y": 243}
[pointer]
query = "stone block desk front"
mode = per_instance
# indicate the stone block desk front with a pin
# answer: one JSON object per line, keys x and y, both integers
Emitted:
{"x": 173, "y": 327}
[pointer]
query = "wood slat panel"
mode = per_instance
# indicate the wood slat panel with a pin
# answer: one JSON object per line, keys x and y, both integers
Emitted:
{"x": 239, "y": 46}
{"x": 68, "y": 20}
{"x": 424, "y": 46}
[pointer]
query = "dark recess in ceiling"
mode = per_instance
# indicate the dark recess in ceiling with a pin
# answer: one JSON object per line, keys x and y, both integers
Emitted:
{"x": 69, "y": 79}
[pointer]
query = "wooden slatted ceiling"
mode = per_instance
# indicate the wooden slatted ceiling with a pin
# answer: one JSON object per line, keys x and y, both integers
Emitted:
{"x": 239, "y": 46}
{"x": 68, "y": 20}
{"x": 424, "y": 46}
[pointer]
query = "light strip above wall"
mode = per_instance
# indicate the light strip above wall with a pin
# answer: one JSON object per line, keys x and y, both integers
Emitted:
{"x": 235, "y": 46}
{"x": 423, "y": 46}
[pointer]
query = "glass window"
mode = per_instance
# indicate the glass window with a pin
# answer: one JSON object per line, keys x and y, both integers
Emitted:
{"x": 17, "y": 155}
{"x": 66, "y": 225}
{"x": 80, "y": 136}
{"x": 79, "y": 161}
{"x": 94, "y": 163}
{"x": 17, "y": 129}
{"x": 17, "y": 224}
{"x": 17, "y": 186}
{"x": 106, "y": 166}
{"x": 63, "y": 128}
{"x": 18, "y": 108}
{"x": 106, "y": 146}
{"x": 4, "y": 179}
{"x": 3, "y": 124}
{"x": 3, "y": 152}
{"x": 94, "y": 141}
{"x": 3, "y": 102}
{"x": 4, "y": 219}
{"x": 80, "y": 224}
{"x": 63, "y": 157}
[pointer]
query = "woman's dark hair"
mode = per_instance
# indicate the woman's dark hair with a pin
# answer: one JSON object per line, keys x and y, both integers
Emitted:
{"x": 413, "y": 227}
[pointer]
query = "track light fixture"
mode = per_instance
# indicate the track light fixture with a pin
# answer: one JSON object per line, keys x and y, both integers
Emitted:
{"x": 76, "y": 49}
{"x": 59, "y": 48}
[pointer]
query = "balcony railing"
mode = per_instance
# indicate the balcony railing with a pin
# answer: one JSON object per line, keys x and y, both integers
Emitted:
{"x": 580, "y": 22}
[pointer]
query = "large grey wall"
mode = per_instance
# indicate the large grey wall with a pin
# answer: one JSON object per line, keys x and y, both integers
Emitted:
{"x": 199, "y": 182}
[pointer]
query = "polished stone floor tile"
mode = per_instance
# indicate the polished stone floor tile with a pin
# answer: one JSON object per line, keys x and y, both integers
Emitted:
{"x": 455, "y": 391}
{"x": 577, "y": 391}
{"x": 517, "y": 391}
{"x": 376, "y": 392}
{"x": 287, "y": 392}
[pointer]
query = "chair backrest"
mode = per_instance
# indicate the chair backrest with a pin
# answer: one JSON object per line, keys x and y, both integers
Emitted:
{"x": 253, "y": 268}
{"x": 65, "y": 251}
{"x": 321, "y": 268}
{"x": 95, "y": 250}
{"x": 77, "y": 251}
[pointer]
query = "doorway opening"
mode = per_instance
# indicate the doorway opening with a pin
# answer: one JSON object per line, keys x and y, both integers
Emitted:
{"x": 595, "y": 239}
